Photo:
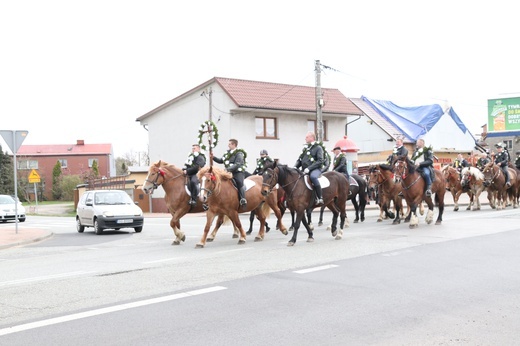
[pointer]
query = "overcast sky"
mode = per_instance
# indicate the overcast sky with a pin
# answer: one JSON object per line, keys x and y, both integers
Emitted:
{"x": 87, "y": 69}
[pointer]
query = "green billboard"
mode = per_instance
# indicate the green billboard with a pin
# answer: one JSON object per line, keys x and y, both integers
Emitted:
{"x": 504, "y": 114}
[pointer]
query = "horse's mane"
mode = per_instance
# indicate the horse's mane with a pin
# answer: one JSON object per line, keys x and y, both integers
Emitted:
{"x": 474, "y": 172}
{"x": 409, "y": 163}
{"x": 165, "y": 165}
{"x": 283, "y": 171}
{"x": 220, "y": 174}
{"x": 385, "y": 167}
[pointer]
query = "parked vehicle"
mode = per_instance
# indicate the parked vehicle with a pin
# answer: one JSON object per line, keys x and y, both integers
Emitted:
{"x": 108, "y": 209}
{"x": 7, "y": 209}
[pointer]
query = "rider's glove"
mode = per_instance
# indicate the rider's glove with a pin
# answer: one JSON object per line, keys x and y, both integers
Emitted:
{"x": 306, "y": 171}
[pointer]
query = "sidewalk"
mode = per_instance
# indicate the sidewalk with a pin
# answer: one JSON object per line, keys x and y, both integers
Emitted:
{"x": 9, "y": 237}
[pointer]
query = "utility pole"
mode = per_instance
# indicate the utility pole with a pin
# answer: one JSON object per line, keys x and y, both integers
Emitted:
{"x": 210, "y": 104}
{"x": 319, "y": 102}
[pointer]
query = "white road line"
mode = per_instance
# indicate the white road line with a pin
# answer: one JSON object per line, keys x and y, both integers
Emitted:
{"x": 234, "y": 250}
{"x": 162, "y": 260}
{"x": 51, "y": 321}
{"x": 43, "y": 278}
{"x": 315, "y": 269}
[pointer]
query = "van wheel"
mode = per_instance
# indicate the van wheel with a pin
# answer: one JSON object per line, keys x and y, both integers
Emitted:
{"x": 97, "y": 229}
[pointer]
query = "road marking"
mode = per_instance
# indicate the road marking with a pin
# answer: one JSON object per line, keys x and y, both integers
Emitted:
{"x": 43, "y": 278}
{"x": 51, "y": 321}
{"x": 395, "y": 253}
{"x": 234, "y": 250}
{"x": 315, "y": 269}
{"x": 162, "y": 260}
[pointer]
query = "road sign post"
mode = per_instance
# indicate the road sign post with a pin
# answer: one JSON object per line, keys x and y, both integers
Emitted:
{"x": 34, "y": 178}
{"x": 14, "y": 139}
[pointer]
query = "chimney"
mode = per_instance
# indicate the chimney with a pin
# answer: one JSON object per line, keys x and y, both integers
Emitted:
{"x": 80, "y": 142}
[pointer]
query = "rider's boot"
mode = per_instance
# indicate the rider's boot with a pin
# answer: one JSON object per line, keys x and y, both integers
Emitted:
{"x": 319, "y": 197}
{"x": 508, "y": 182}
{"x": 242, "y": 194}
{"x": 429, "y": 190}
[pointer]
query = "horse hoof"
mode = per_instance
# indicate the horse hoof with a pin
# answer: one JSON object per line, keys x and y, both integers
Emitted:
{"x": 379, "y": 220}
{"x": 235, "y": 235}
{"x": 176, "y": 242}
{"x": 285, "y": 232}
{"x": 209, "y": 240}
{"x": 328, "y": 228}
{"x": 249, "y": 232}
{"x": 396, "y": 222}
{"x": 199, "y": 246}
{"x": 320, "y": 223}
{"x": 413, "y": 226}
{"x": 335, "y": 233}
{"x": 356, "y": 221}
{"x": 258, "y": 238}
{"x": 310, "y": 240}
{"x": 311, "y": 227}
{"x": 338, "y": 237}
{"x": 429, "y": 221}
{"x": 290, "y": 243}
{"x": 183, "y": 237}
{"x": 438, "y": 222}
{"x": 291, "y": 229}
{"x": 241, "y": 242}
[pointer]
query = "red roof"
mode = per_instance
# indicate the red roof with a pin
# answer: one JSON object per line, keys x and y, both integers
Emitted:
{"x": 65, "y": 149}
{"x": 274, "y": 96}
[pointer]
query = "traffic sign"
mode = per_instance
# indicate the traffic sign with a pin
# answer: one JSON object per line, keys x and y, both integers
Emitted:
{"x": 14, "y": 139}
{"x": 34, "y": 177}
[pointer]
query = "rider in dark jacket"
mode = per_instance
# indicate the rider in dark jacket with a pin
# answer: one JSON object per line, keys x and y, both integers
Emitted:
{"x": 262, "y": 162}
{"x": 311, "y": 162}
{"x": 196, "y": 160}
{"x": 234, "y": 161}
{"x": 423, "y": 159}
{"x": 502, "y": 159}
{"x": 399, "y": 150}
{"x": 340, "y": 162}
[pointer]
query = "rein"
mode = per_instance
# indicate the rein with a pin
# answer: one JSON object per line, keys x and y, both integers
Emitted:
{"x": 275, "y": 178}
{"x": 161, "y": 173}
{"x": 403, "y": 177}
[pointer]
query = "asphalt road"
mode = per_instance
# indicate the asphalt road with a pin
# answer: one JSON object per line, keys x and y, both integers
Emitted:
{"x": 380, "y": 285}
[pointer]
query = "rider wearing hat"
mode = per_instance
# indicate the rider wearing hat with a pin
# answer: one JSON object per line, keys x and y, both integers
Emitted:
{"x": 262, "y": 162}
{"x": 501, "y": 160}
{"x": 234, "y": 161}
{"x": 196, "y": 160}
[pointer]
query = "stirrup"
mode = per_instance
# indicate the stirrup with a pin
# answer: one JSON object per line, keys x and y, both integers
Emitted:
{"x": 319, "y": 201}
{"x": 243, "y": 201}
{"x": 192, "y": 201}
{"x": 428, "y": 193}
{"x": 508, "y": 184}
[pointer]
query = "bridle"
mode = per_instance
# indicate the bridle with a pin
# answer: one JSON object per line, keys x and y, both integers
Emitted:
{"x": 274, "y": 177}
{"x": 160, "y": 173}
{"x": 212, "y": 177}
{"x": 496, "y": 174}
{"x": 402, "y": 166}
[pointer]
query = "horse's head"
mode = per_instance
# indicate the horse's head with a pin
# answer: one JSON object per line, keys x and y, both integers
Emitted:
{"x": 402, "y": 167}
{"x": 210, "y": 181}
{"x": 154, "y": 178}
{"x": 465, "y": 176}
{"x": 269, "y": 180}
{"x": 490, "y": 172}
{"x": 374, "y": 177}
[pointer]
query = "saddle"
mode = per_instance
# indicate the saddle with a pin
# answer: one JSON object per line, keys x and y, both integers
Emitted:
{"x": 432, "y": 173}
{"x": 352, "y": 181}
{"x": 247, "y": 184}
{"x": 324, "y": 182}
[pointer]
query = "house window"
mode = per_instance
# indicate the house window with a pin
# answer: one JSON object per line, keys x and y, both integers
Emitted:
{"x": 312, "y": 126}
{"x": 91, "y": 162}
{"x": 27, "y": 164}
{"x": 508, "y": 143}
{"x": 63, "y": 163}
{"x": 266, "y": 128}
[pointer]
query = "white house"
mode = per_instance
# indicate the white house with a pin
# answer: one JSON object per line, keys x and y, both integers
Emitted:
{"x": 260, "y": 115}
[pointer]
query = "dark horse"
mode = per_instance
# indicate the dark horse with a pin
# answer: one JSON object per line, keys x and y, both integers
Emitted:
{"x": 414, "y": 191}
{"x": 381, "y": 180}
{"x": 299, "y": 197}
{"x": 355, "y": 190}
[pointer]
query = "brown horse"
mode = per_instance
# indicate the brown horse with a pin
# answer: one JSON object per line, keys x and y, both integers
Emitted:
{"x": 173, "y": 182}
{"x": 473, "y": 179}
{"x": 414, "y": 188}
{"x": 300, "y": 197}
{"x": 220, "y": 194}
{"x": 453, "y": 183}
{"x": 380, "y": 179}
{"x": 495, "y": 181}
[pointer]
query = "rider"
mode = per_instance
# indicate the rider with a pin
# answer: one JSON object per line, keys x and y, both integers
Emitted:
{"x": 234, "y": 161}
{"x": 340, "y": 162}
{"x": 399, "y": 150}
{"x": 196, "y": 160}
{"x": 482, "y": 161}
{"x": 517, "y": 161}
{"x": 501, "y": 160}
{"x": 460, "y": 163}
{"x": 262, "y": 162}
{"x": 311, "y": 161}
{"x": 423, "y": 159}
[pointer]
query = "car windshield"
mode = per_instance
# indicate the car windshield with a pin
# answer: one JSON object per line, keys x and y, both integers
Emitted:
{"x": 6, "y": 200}
{"x": 112, "y": 198}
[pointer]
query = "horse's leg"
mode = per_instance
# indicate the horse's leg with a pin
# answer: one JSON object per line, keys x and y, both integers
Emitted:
{"x": 309, "y": 218}
{"x": 322, "y": 209}
{"x": 335, "y": 214}
{"x": 356, "y": 208}
{"x": 300, "y": 216}
{"x": 213, "y": 234}
{"x": 310, "y": 236}
{"x": 398, "y": 206}
{"x": 292, "y": 220}
{"x": 439, "y": 197}
{"x": 429, "y": 214}
{"x": 279, "y": 215}
{"x": 261, "y": 217}
{"x": 210, "y": 216}
{"x": 456, "y": 196}
{"x": 233, "y": 216}
{"x": 251, "y": 219}
{"x": 414, "y": 220}
{"x": 176, "y": 226}
{"x": 491, "y": 198}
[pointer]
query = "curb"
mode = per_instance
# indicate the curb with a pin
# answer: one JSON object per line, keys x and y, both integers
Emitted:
{"x": 26, "y": 241}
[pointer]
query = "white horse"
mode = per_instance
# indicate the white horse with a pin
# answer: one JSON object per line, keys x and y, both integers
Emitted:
{"x": 474, "y": 179}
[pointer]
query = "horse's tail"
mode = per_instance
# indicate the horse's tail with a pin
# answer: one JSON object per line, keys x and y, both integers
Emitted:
{"x": 265, "y": 210}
